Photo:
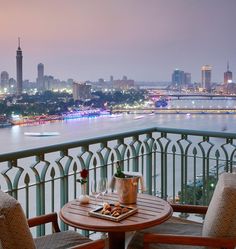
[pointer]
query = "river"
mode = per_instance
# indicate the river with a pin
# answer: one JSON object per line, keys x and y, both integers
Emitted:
{"x": 13, "y": 138}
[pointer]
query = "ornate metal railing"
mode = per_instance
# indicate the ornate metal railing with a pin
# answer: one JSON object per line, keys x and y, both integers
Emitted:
{"x": 175, "y": 163}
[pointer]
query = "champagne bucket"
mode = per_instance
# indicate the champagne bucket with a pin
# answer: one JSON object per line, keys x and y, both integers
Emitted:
{"x": 127, "y": 189}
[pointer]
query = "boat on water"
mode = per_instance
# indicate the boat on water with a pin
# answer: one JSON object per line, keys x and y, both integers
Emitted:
{"x": 4, "y": 121}
{"x": 87, "y": 113}
{"x": 41, "y": 134}
{"x": 5, "y": 124}
{"x": 115, "y": 115}
{"x": 139, "y": 117}
{"x": 161, "y": 102}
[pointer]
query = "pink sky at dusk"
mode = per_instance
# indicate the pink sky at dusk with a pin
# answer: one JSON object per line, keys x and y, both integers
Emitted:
{"x": 143, "y": 39}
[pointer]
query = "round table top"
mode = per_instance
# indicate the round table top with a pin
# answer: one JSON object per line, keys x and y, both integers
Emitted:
{"x": 152, "y": 211}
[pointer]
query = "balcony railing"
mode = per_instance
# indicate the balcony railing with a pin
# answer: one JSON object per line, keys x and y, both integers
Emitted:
{"x": 175, "y": 163}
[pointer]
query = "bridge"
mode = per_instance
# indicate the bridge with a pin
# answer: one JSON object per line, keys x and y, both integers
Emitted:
{"x": 193, "y": 96}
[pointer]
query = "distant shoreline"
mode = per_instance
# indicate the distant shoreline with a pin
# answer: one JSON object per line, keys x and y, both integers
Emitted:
{"x": 52, "y": 118}
{"x": 176, "y": 111}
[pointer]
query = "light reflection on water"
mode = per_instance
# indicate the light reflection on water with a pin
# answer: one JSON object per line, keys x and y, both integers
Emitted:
{"x": 13, "y": 139}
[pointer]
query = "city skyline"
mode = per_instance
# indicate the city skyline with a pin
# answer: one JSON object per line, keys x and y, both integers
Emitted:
{"x": 88, "y": 40}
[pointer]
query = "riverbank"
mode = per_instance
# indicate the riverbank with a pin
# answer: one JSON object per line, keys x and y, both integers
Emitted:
{"x": 30, "y": 120}
{"x": 44, "y": 119}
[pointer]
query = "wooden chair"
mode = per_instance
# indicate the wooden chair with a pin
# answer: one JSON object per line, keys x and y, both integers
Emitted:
{"x": 217, "y": 231}
{"x": 15, "y": 232}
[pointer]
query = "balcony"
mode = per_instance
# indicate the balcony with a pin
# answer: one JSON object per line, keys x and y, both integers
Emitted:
{"x": 178, "y": 165}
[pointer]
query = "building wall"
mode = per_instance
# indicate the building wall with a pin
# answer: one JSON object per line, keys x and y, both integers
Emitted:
{"x": 228, "y": 77}
{"x": 206, "y": 77}
{"x": 4, "y": 80}
{"x": 81, "y": 91}
{"x": 123, "y": 84}
{"x": 178, "y": 77}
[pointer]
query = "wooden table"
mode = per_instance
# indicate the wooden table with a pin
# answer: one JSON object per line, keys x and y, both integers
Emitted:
{"x": 151, "y": 211}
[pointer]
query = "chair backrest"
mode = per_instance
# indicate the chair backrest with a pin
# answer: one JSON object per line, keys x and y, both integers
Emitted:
{"x": 220, "y": 219}
{"x": 14, "y": 229}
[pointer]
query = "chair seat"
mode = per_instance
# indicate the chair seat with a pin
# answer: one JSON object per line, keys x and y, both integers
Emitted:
{"x": 173, "y": 226}
{"x": 61, "y": 240}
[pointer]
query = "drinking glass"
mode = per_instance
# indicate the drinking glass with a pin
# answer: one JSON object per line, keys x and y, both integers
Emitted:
{"x": 94, "y": 190}
{"x": 102, "y": 187}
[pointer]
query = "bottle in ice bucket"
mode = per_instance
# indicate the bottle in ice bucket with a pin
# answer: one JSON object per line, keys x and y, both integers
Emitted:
{"x": 126, "y": 186}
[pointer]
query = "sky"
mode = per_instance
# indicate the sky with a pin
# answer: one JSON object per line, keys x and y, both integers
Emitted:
{"x": 142, "y": 39}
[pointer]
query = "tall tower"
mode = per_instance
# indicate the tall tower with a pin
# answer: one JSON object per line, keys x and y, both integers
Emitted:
{"x": 206, "y": 77}
{"x": 19, "y": 72}
{"x": 228, "y": 76}
{"x": 40, "y": 79}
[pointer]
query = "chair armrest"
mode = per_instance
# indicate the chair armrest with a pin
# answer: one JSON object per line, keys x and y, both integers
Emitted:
{"x": 97, "y": 244}
{"x": 189, "y": 208}
{"x": 43, "y": 219}
{"x": 228, "y": 243}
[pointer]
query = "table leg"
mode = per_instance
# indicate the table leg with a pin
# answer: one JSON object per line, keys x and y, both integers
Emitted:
{"x": 116, "y": 240}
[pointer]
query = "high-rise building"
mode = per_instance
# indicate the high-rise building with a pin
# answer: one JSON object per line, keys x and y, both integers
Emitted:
{"x": 12, "y": 85}
{"x": 19, "y": 70}
{"x": 187, "y": 78}
{"x": 4, "y": 80}
{"x": 81, "y": 91}
{"x": 40, "y": 78}
{"x": 228, "y": 76}
{"x": 206, "y": 77}
{"x": 49, "y": 82}
{"x": 101, "y": 81}
{"x": 124, "y": 84}
{"x": 178, "y": 77}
